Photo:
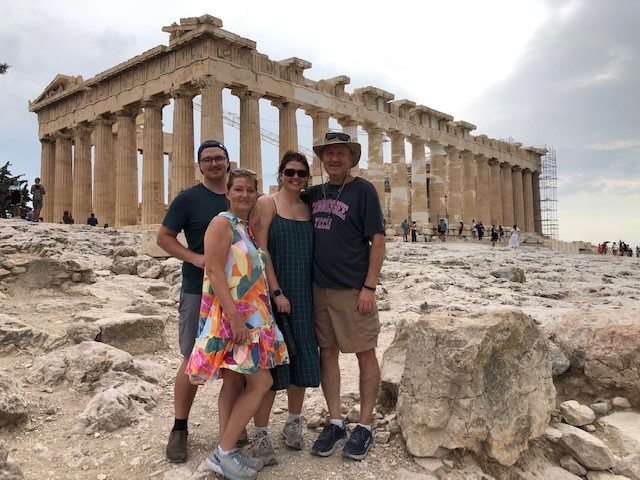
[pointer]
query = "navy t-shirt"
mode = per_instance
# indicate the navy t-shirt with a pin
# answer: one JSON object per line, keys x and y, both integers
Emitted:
{"x": 191, "y": 211}
{"x": 341, "y": 232}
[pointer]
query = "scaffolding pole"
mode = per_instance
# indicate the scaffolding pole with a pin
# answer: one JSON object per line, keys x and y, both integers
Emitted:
{"x": 548, "y": 194}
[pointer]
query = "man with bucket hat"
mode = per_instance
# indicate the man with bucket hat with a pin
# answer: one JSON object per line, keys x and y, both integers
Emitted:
{"x": 349, "y": 247}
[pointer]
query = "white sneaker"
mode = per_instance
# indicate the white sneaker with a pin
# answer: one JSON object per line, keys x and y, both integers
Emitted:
{"x": 292, "y": 433}
{"x": 263, "y": 448}
{"x": 232, "y": 466}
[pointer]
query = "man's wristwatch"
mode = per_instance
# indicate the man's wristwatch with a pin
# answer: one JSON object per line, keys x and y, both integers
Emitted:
{"x": 276, "y": 293}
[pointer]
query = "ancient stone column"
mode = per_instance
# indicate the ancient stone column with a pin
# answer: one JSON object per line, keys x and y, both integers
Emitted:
{"x": 495, "y": 191}
{"x": 483, "y": 202}
{"x": 350, "y": 127}
{"x": 48, "y": 177}
{"x": 375, "y": 168}
{"x": 527, "y": 195}
{"x": 518, "y": 198}
{"x": 182, "y": 155}
{"x": 211, "y": 113}
{"x": 152, "y": 163}
{"x": 454, "y": 198}
{"x": 320, "y": 121}
{"x": 419, "y": 209}
{"x": 82, "y": 177}
{"x": 537, "y": 213}
{"x": 399, "y": 180}
{"x": 126, "y": 169}
{"x": 508, "y": 218}
{"x": 288, "y": 127}
{"x": 437, "y": 183}
{"x": 468, "y": 187}
{"x": 250, "y": 144}
{"x": 63, "y": 178}
{"x": 104, "y": 172}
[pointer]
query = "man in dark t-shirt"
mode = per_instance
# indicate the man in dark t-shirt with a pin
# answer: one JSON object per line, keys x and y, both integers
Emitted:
{"x": 348, "y": 251}
{"x": 190, "y": 212}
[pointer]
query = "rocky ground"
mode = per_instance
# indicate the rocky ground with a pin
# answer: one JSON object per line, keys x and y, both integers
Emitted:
{"x": 93, "y": 275}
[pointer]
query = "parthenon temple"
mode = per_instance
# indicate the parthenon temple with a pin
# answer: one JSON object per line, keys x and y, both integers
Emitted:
{"x": 92, "y": 130}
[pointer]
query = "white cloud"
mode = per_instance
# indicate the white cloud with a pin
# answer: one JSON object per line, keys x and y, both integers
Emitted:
{"x": 616, "y": 144}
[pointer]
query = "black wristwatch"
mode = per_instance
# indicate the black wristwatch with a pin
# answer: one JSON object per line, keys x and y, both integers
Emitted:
{"x": 276, "y": 293}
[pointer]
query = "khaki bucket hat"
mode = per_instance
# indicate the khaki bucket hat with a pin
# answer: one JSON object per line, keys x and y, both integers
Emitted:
{"x": 339, "y": 138}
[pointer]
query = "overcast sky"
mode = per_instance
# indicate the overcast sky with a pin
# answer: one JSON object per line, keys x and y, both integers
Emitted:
{"x": 560, "y": 73}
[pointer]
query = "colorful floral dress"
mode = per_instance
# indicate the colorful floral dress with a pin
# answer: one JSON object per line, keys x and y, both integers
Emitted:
{"x": 214, "y": 348}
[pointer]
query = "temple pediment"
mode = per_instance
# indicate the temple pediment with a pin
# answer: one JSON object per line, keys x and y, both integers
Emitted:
{"x": 59, "y": 85}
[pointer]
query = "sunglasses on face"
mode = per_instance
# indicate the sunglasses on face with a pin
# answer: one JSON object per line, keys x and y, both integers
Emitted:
{"x": 339, "y": 135}
{"x": 290, "y": 172}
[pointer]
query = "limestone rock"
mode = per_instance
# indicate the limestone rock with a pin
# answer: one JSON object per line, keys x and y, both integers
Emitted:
{"x": 559, "y": 361}
{"x": 607, "y": 353}
{"x": 513, "y": 274}
{"x": 8, "y": 469}
{"x": 132, "y": 332}
{"x": 601, "y": 408}
{"x": 628, "y": 466}
{"x": 14, "y": 332}
{"x": 129, "y": 265}
{"x": 620, "y": 402}
{"x": 576, "y": 414}
{"x": 481, "y": 382}
{"x": 154, "y": 271}
{"x": 623, "y": 428}
{"x": 13, "y": 404}
{"x": 590, "y": 451}
{"x": 605, "y": 476}
{"x": 109, "y": 411}
{"x": 81, "y": 365}
{"x": 570, "y": 464}
{"x": 392, "y": 367}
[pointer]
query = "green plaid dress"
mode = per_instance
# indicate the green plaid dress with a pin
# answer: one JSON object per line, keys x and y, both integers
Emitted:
{"x": 291, "y": 249}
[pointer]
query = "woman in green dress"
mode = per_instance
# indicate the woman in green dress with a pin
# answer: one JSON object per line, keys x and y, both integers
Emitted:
{"x": 282, "y": 226}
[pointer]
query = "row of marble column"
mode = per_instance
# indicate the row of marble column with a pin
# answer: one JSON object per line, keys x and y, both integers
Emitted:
{"x": 466, "y": 187}
{"x": 462, "y": 186}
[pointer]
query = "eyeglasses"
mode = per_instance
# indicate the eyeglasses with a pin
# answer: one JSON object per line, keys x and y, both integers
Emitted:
{"x": 242, "y": 171}
{"x": 339, "y": 135}
{"x": 208, "y": 160}
{"x": 290, "y": 172}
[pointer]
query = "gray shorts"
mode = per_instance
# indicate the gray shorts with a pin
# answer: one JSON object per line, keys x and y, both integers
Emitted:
{"x": 37, "y": 204}
{"x": 189, "y": 317}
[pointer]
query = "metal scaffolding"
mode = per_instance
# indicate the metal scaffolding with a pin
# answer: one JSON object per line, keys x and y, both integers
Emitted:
{"x": 548, "y": 194}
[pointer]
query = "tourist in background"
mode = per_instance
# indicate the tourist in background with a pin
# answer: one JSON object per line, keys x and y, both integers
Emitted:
{"x": 238, "y": 339}
{"x": 37, "y": 193}
{"x": 514, "y": 240}
{"x": 92, "y": 220}
{"x": 414, "y": 234}
{"x": 190, "y": 212}
{"x": 348, "y": 252}
{"x": 282, "y": 226}
{"x": 15, "y": 191}
{"x": 460, "y": 230}
{"x": 405, "y": 230}
{"x": 67, "y": 218}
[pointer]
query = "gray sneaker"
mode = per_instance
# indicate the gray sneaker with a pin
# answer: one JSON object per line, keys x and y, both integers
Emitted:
{"x": 292, "y": 433}
{"x": 232, "y": 466}
{"x": 263, "y": 448}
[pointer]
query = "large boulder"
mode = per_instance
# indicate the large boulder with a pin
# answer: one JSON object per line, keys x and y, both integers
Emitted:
{"x": 15, "y": 334}
{"x": 589, "y": 451}
{"x": 132, "y": 332}
{"x": 13, "y": 403}
{"x": 480, "y": 382}
{"x": 607, "y": 353}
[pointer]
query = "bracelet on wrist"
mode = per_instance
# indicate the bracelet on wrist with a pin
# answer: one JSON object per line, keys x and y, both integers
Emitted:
{"x": 373, "y": 289}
